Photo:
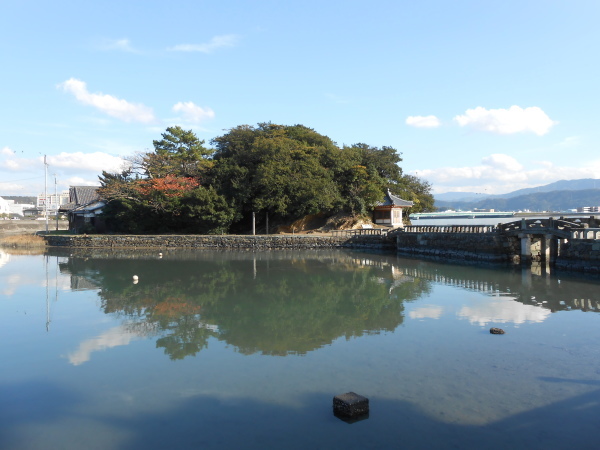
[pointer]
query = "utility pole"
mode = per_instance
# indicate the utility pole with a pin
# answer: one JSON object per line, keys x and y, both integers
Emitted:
{"x": 57, "y": 202}
{"x": 46, "y": 192}
{"x": 253, "y": 224}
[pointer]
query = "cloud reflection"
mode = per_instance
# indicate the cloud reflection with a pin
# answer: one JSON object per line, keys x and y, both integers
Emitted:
{"x": 114, "y": 337}
{"x": 503, "y": 311}
{"x": 10, "y": 284}
{"x": 4, "y": 258}
{"x": 426, "y": 312}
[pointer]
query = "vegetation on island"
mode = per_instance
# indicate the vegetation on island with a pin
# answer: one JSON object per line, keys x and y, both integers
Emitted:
{"x": 275, "y": 171}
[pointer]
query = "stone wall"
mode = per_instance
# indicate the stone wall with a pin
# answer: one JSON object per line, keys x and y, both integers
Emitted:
{"x": 493, "y": 247}
{"x": 582, "y": 255}
{"x": 578, "y": 255}
{"x": 270, "y": 242}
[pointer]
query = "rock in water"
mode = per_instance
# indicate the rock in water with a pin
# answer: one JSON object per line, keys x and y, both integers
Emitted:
{"x": 350, "y": 405}
{"x": 496, "y": 331}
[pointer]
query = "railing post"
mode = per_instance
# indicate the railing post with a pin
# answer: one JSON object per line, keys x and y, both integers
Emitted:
{"x": 546, "y": 252}
{"x": 525, "y": 247}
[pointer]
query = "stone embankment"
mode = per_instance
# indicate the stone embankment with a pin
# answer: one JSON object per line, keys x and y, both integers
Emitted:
{"x": 269, "y": 242}
{"x": 580, "y": 255}
{"x": 564, "y": 245}
{"x": 486, "y": 245}
{"x": 492, "y": 247}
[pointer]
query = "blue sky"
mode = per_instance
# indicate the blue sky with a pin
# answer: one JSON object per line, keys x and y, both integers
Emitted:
{"x": 478, "y": 96}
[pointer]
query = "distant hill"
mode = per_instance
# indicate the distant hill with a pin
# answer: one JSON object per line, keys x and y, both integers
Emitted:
{"x": 559, "y": 196}
{"x": 542, "y": 201}
{"x": 562, "y": 185}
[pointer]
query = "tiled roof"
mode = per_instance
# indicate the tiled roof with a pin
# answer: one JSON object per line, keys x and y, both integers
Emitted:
{"x": 392, "y": 200}
{"x": 80, "y": 196}
{"x": 83, "y": 195}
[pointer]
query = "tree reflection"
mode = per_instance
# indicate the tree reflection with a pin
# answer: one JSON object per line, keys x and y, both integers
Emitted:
{"x": 559, "y": 291}
{"x": 275, "y": 305}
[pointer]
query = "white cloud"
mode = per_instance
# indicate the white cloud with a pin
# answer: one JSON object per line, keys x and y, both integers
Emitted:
{"x": 92, "y": 162}
{"x": 11, "y": 188}
{"x": 118, "y": 44}
{"x": 423, "y": 121}
{"x": 15, "y": 164}
{"x": 114, "y": 107}
{"x": 25, "y": 176}
{"x": 193, "y": 113}
{"x": 507, "y": 121}
{"x": 500, "y": 173}
{"x": 6, "y": 151}
{"x": 570, "y": 141}
{"x": 337, "y": 99}
{"x": 10, "y": 163}
{"x": 502, "y": 162}
{"x": 227, "y": 40}
{"x": 79, "y": 181}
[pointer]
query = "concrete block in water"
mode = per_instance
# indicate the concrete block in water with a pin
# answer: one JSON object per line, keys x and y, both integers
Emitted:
{"x": 350, "y": 405}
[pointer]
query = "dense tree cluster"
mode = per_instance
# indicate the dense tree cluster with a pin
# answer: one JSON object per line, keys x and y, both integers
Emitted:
{"x": 275, "y": 171}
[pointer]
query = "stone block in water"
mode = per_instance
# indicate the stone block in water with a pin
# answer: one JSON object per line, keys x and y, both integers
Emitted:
{"x": 350, "y": 405}
{"x": 496, "y": 331}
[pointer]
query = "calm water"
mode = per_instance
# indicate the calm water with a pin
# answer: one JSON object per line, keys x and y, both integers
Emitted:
{"x": 246, "y": 350}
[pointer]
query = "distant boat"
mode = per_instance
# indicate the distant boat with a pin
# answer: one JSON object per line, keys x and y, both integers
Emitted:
{"x": 462, "y": 215}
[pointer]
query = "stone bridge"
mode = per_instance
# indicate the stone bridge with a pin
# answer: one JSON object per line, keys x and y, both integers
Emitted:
{"x": 546, "y": 236}
{"x": 547, "y": 240}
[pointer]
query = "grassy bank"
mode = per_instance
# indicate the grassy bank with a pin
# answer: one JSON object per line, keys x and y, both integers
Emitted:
{"x": 23, "y": 241}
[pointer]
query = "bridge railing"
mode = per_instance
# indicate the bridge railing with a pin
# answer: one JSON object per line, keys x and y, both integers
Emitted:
{"x": 586, "y": 233}
{"x": 451, "y": 229}
{"x": 560, "y": 228}
{"x": 541, "y": 225}
{"x": 360, "y": 232}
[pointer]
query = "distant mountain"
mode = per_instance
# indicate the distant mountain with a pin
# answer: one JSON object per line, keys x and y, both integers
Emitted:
{"x": 543, "y": 201}
{"x": 562, "y": 190}
{"x": 562, "y": 185}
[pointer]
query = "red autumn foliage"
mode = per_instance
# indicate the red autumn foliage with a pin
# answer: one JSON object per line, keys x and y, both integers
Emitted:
{"x": 174, "y": 307}
{"x": 170, "y": 186}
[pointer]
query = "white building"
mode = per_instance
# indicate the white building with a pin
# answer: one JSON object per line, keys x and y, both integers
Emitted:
{"x": 54, "y": 201}
{"x": 4, "y": 209}
{"x": 13, "y": 209}
{"x": 586, "y": 209}
{"x": 17, "y": 208}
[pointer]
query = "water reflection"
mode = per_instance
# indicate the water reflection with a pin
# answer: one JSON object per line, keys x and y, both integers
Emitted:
{"x": 4, "y": 258}
{"x": 114, "y": 337}
{"x": 438, "y": 380}
{"x": 275, "y": 304}
{"x": 284, "y": 303}
{"x": 533, "y": 287}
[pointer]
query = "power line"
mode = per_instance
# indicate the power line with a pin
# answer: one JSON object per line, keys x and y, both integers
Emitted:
{"x": 21, "y": 179}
